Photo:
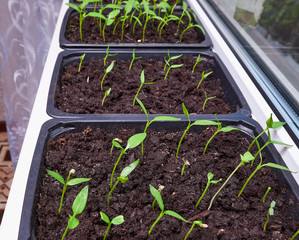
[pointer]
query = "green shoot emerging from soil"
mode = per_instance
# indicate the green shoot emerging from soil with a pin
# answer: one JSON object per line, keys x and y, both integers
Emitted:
{"x": 293, "y": 237}
{"x": 191, "y": 25}
{"x": 203, "y": 76}
{"x": 266, "y": 193}
{"x": 161, "y": 187}
{"x": 66, "y": 183}
{"x": 106, "y": 95}
{"x": 115, "y": 221}
{"x": 123, "y": 177}
{"x": 269, "y": 164}
{"x": 246, "y": 158}
{"x": 148, "y": 122}
{"x": 206, "y": 100}
{"x": 107, "y": 70}
{"x": 210, "y": 177}
{"x": 108, "y": 55}
{"x": 198, "y": 60}
{"x": 133, "y": 142}
{"x": 198, "y": 122}
{"x": 81, "y": 60}
{"x": 171, "y": 67}
{"x": 142, "y": 80}
{"x": 220, "y": 129}
{"x": 159, "y": 200}
{"x": 198, "y": 223}
{"x": 78, "y": 207}
{"x": 133, "y": 59}
{"x": 270, "y": 212}
{"x": 169, "y": 59}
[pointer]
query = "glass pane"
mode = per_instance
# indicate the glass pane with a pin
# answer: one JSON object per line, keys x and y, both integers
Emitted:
{"x": 271, "y": 29}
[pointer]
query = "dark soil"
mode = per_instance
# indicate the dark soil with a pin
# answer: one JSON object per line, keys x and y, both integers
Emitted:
{"x": 75, "y": 95}
{"x": 229, "y": 218}
{"x": 91, "y": 32}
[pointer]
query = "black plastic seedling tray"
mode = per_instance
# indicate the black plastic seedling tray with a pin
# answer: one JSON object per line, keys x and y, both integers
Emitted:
{"x": 55, "y": 127}
{"x": 66, "y": 44}
{"x": 233, "y": 96}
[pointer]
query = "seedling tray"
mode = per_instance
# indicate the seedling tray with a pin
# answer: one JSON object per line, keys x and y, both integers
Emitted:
{"x": 287, "y": 198}
{"x": 231, "y": 94}
{"x": 137, "y": 43}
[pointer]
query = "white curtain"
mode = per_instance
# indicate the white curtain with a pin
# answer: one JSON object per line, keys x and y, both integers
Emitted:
{"x": 26, "y": 29}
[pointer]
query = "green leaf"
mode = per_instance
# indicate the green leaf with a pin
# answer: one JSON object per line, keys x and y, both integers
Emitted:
{"x": 116, "y": 144}
{"x": 185, "y": 6}
{"x": 105, "y": 218}
{"x": 185, "y": 110}
{"x": 123, "y": 179}
{"x": 165, "y": 118}
{"x": 114, "y": 6}
{"x": 77, "y": 181}
{"x": 280, "y": 143}
{"x": 157, "y": 196}
{"x": 278, "y": 124}
{"x": 272, "y": 204}
{"x": 200, "y": 27}
{"x": 129, "y": 6}
{"x": 74, "y": 6}
{"x": 128, "y": 169}
{"x": 216, "y": 181}
{"x": 118, "y": 220}
{"x": 199, "y": 223}
{"x": 274, "y": 165}
{"x": 135, "y": 140}
{"x": 73, "y": 222}
{"x": 205, "y": 122}
{"x": 142, "y": 76}
{"x": 163, "y": 5}
{"x": 207, "y": 74}
{"x": 271, "y": 211}
{"x": 113, "y": 14}
{"x": 177, "y": 65}
{"x": 176, "y": 215}
{"x": 247, "y": 157}
{"x": 228, "y": 129}
{"x": 143, "y": 107}
{"x": 210, "y": 176}
{"x": 96, "y": 15}
{"x": 176, "y": 57}
{"x": 80, "y": 201}
{"x": 56, "y": 176}
{"x": 110, "y": 67}
{"x": 108, "y": 92}
{"x": 269, "y": 122}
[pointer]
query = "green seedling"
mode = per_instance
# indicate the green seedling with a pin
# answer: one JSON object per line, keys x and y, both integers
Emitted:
{"x": 270, "y": 125}
{"x": 295, "y": 234}
{"x": 108, "y": 55}
{"x": 123, "y": 177}
{"x": 206, "y": 100}
{"x": 133, "y": 59}
{"x": 198, "y": 223}
{"x": 198, "y": 122}
{"x": 166, "y": 21}
{"x": 167, "y": 61}
{"x": 82, "y": 11}
{"x": 203, "y": 76}
{"x": 160, "y": 188}
{"x": 81, "y": 60}
{"x": 266, "y": 193}
{"x": 106, "y": 95}
{"x": 246, "y": 158}
{"x": 184, "y": 12}
{"x": 171, "y": 67}
{"x": 220, "y": 129}
{"x": 78, "y": 207}
{"x": 66, "y": 183}
{"x": 198, "y": 60}
{"x": 118, "y": 140}
{"x": 158, "y": 118}
{"x": 133, "y": 142}
{"x": 106, "y": 71}
{"x": 261, "y": 165}
{"x": 142, "y": 80}
{"x": 210, "y": 177}
{"x": 270, "y": 212}
{"x": 115, "y": 221}
{"x": 159, "y": 200}
{"x": 191, "y": 25}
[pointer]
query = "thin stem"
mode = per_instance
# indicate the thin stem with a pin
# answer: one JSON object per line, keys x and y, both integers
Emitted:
{"x": 188, "y": 233}
{"x": 240, "y": 164}
{"x": 167, "y": 72}
{"x": 204, "y": 151}
{"x": 267, "y": 220}
{"x": 256, "y": 139}
{"x": 293, "y": 237}
{"x": 183, "y": 168}
{"x": 147, "y": 125}
{"x": 63, "y": 192}
{"x": 153, "y": 204}
{"x": 252, "y": 174}
{"x": 143, "y": 32}
{"x": 106, "y": 233}
{"x": 65, "y": 232}
{"x": 204, "y": 192}
{"x": 137, "y": 93}
{"x": 266, "y": 193}
{"x": 178, "y": 149}
{"x": 157, "y": 220}
{"x": 114, "y": 168}
{"x": 112, "y": 189}
{"x": 103, "y": 80}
